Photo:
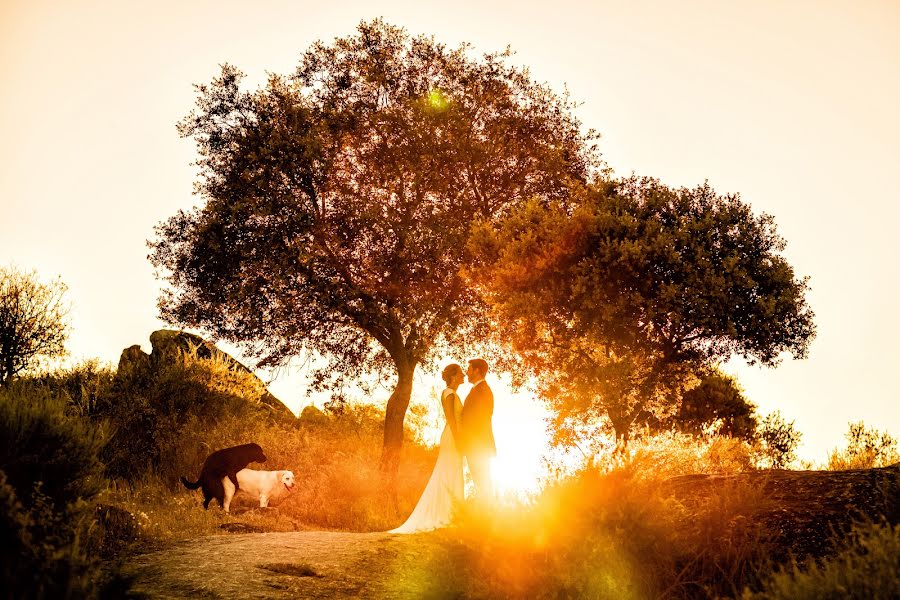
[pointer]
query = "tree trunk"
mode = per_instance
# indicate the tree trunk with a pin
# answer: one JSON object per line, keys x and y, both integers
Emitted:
{"x": 622, "y": 430}
{"x": 395, "y": 413}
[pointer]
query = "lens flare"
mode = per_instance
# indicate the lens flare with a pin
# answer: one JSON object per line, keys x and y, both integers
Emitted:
{"x": 437, "y": 100}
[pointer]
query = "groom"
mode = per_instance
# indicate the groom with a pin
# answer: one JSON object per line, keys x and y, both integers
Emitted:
{"x": 475, "y": 431}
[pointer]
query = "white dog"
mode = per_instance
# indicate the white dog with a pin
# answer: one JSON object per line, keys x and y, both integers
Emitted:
{"x": 265, "y": 485}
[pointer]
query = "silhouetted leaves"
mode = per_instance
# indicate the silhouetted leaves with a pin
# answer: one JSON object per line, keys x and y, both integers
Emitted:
{"x": 619, "y": 303}
{"x": 337, "y": 202}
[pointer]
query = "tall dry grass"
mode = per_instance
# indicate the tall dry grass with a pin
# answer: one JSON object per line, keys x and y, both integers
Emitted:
{"x": 161, "y": 424}
{"x": 614, "y": 530}
{"x": 164, "y": 425}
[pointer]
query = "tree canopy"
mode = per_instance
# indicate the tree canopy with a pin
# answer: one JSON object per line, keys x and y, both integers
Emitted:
{"x": 33, "y": 321}
{"x": 716, "y": 406}
{"x": 620, "y": 299}
{"x": 337, "y": 203}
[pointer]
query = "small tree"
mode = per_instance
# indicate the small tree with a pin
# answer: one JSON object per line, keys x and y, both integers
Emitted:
{"x": 717, "y": 406}
{"x": 866, "y": 448}
{"x": 338, "y": 203}
{"x": 778, "y": 441}
{"x": 33, "y": 321}
{"x": 617, "y": 303}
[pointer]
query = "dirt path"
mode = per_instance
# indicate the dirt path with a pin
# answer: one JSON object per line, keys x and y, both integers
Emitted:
{"x": 307, "y": 564}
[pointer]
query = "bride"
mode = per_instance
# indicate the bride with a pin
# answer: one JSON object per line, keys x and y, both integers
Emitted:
{"x": 445, "y": 486}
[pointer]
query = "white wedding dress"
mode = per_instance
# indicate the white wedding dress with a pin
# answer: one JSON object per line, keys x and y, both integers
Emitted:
{"x": 445, "y": 487}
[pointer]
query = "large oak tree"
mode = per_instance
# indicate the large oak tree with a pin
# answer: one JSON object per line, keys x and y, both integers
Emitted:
{"x": 618, "y": 304}
{"x": 337, "y": 203}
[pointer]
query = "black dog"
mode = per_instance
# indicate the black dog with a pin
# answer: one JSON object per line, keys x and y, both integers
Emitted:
{"x": 221, "y": 464}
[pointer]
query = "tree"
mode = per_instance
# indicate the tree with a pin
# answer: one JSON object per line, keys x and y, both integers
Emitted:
{"x": 338, "y": 203}
{"x": 616, "y": 300}
{"x": 778, "y": 441}
{"x": 866, "y": 448}
{"x": 33, "y": 321}
{"x": 717, "y": 406}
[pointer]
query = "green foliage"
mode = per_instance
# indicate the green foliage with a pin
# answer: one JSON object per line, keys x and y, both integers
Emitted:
{"x": 41, "y": 553}
{"x": 616, "y": 304}
{"x": 85, "y": 386}
{"x": 865, "y": 567}
{"x": 33, "y": 321}
{"x": 338, "y": 203}
{"x": 866, "y": 448}
{"x": 778, "y": 441}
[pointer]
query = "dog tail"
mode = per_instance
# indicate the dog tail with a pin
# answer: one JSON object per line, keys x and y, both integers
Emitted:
{"x": 189, "y": 485}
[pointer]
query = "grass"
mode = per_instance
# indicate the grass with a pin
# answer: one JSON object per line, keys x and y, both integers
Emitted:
{"x": 866, "y": 566}
{"x": 614, "y": 530}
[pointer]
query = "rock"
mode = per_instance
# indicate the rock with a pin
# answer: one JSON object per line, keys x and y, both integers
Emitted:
{"x": 133, "y": 361}
{"x": 804, "y": 509}
{"x": 310, "y": 415}
{"x": 170, "y": 345}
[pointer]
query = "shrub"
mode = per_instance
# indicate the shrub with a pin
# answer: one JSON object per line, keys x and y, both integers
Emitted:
{"x": 50, "y": 476}
{"x": 85, "y": 387}
{"x": 866, "y": 448}
{"x": 157, "y": 416}
{"x": 40, "y": 443}
{"x": 777, "y": 442}
{"x": 40, "y": 550}
{"x": 865, "y": 567}
{"x": 669, "y": 454}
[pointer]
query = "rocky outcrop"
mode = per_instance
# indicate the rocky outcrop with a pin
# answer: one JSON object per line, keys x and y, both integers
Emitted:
{"x": 169, "y": 346}
{"x": 311, "y": 415}
{"x": 133, "y": 361}
{"x": 803, "y": 510}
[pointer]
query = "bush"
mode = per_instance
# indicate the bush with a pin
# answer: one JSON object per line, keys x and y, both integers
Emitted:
{"x": 866, "y": 566}
{"x": 50, "y": 476}
{"x": 669, "y": 454}
{"x": 85, "y": 387}
{"x": 866, "y": 448}
{"x": 156, "y": 416}
{"x": 40, "y": 443}
{"x": 777, "y": 442}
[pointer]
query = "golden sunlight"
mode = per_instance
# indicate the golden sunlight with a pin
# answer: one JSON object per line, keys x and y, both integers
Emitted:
{"x": 437, "y": 100}
{"x": 520, "y": 431}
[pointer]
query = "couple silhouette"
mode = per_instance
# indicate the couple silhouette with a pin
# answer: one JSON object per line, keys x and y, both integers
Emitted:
{"x": 468, "y": 434}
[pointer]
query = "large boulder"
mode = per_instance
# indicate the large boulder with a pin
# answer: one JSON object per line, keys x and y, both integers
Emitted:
{"x": 170, "y": 346}
{"x": 133, "y": 361}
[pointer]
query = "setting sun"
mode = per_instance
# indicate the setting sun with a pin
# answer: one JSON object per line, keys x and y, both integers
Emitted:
{"x": 522, "y": 442}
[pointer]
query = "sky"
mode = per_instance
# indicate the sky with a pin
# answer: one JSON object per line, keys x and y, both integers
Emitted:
{"x": 791, "y": 104}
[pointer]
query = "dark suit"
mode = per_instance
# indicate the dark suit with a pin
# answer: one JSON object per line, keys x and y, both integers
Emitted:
{"x": 477, "y": 436}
